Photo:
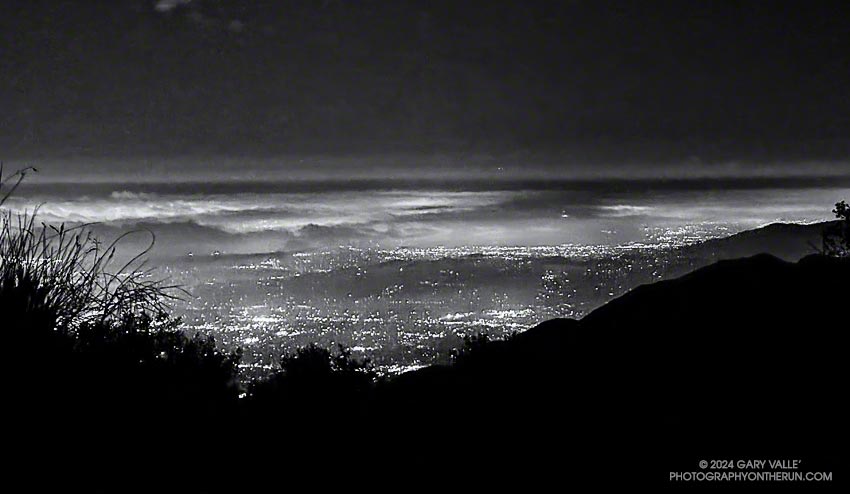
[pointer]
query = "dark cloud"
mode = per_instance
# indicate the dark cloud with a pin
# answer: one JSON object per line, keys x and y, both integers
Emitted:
{"x": 680, "y": 82}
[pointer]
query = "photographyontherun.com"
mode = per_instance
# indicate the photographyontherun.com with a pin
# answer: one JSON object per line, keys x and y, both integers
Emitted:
{"x": 750, "y": 471}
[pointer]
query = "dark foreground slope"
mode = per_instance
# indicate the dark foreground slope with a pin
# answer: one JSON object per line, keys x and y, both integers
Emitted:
{"x": 741, "y": 359}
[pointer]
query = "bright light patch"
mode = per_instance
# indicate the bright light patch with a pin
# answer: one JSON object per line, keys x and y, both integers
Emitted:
{"x": 169, "y": 5}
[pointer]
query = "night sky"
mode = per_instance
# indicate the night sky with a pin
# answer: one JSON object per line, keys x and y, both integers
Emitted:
{"x": 559, "y": 87}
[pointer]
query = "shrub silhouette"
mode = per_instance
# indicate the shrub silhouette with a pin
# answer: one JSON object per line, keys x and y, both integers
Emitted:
{"x": 159, "y": 364}
{"x": 836, "y": 237}
{"x": 317, "y": 383}
{"x": 480, "y": 350}
{"x": 92, "y": 358}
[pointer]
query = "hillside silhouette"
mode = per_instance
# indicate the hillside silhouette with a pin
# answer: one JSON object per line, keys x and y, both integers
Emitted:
{"x": 787, "y": 241}
{"x": 742, "y": 358}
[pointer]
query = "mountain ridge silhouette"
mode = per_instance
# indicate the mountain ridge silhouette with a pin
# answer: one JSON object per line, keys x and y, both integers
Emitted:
{"x": 740, "y": 358}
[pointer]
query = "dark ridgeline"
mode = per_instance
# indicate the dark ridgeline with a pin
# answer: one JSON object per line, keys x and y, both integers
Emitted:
{"x": 744, "y": 358}
{"x": 741, "y": 359}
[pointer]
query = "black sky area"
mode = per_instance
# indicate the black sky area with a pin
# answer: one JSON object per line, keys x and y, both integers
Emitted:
{"x": 617, "y": 84}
